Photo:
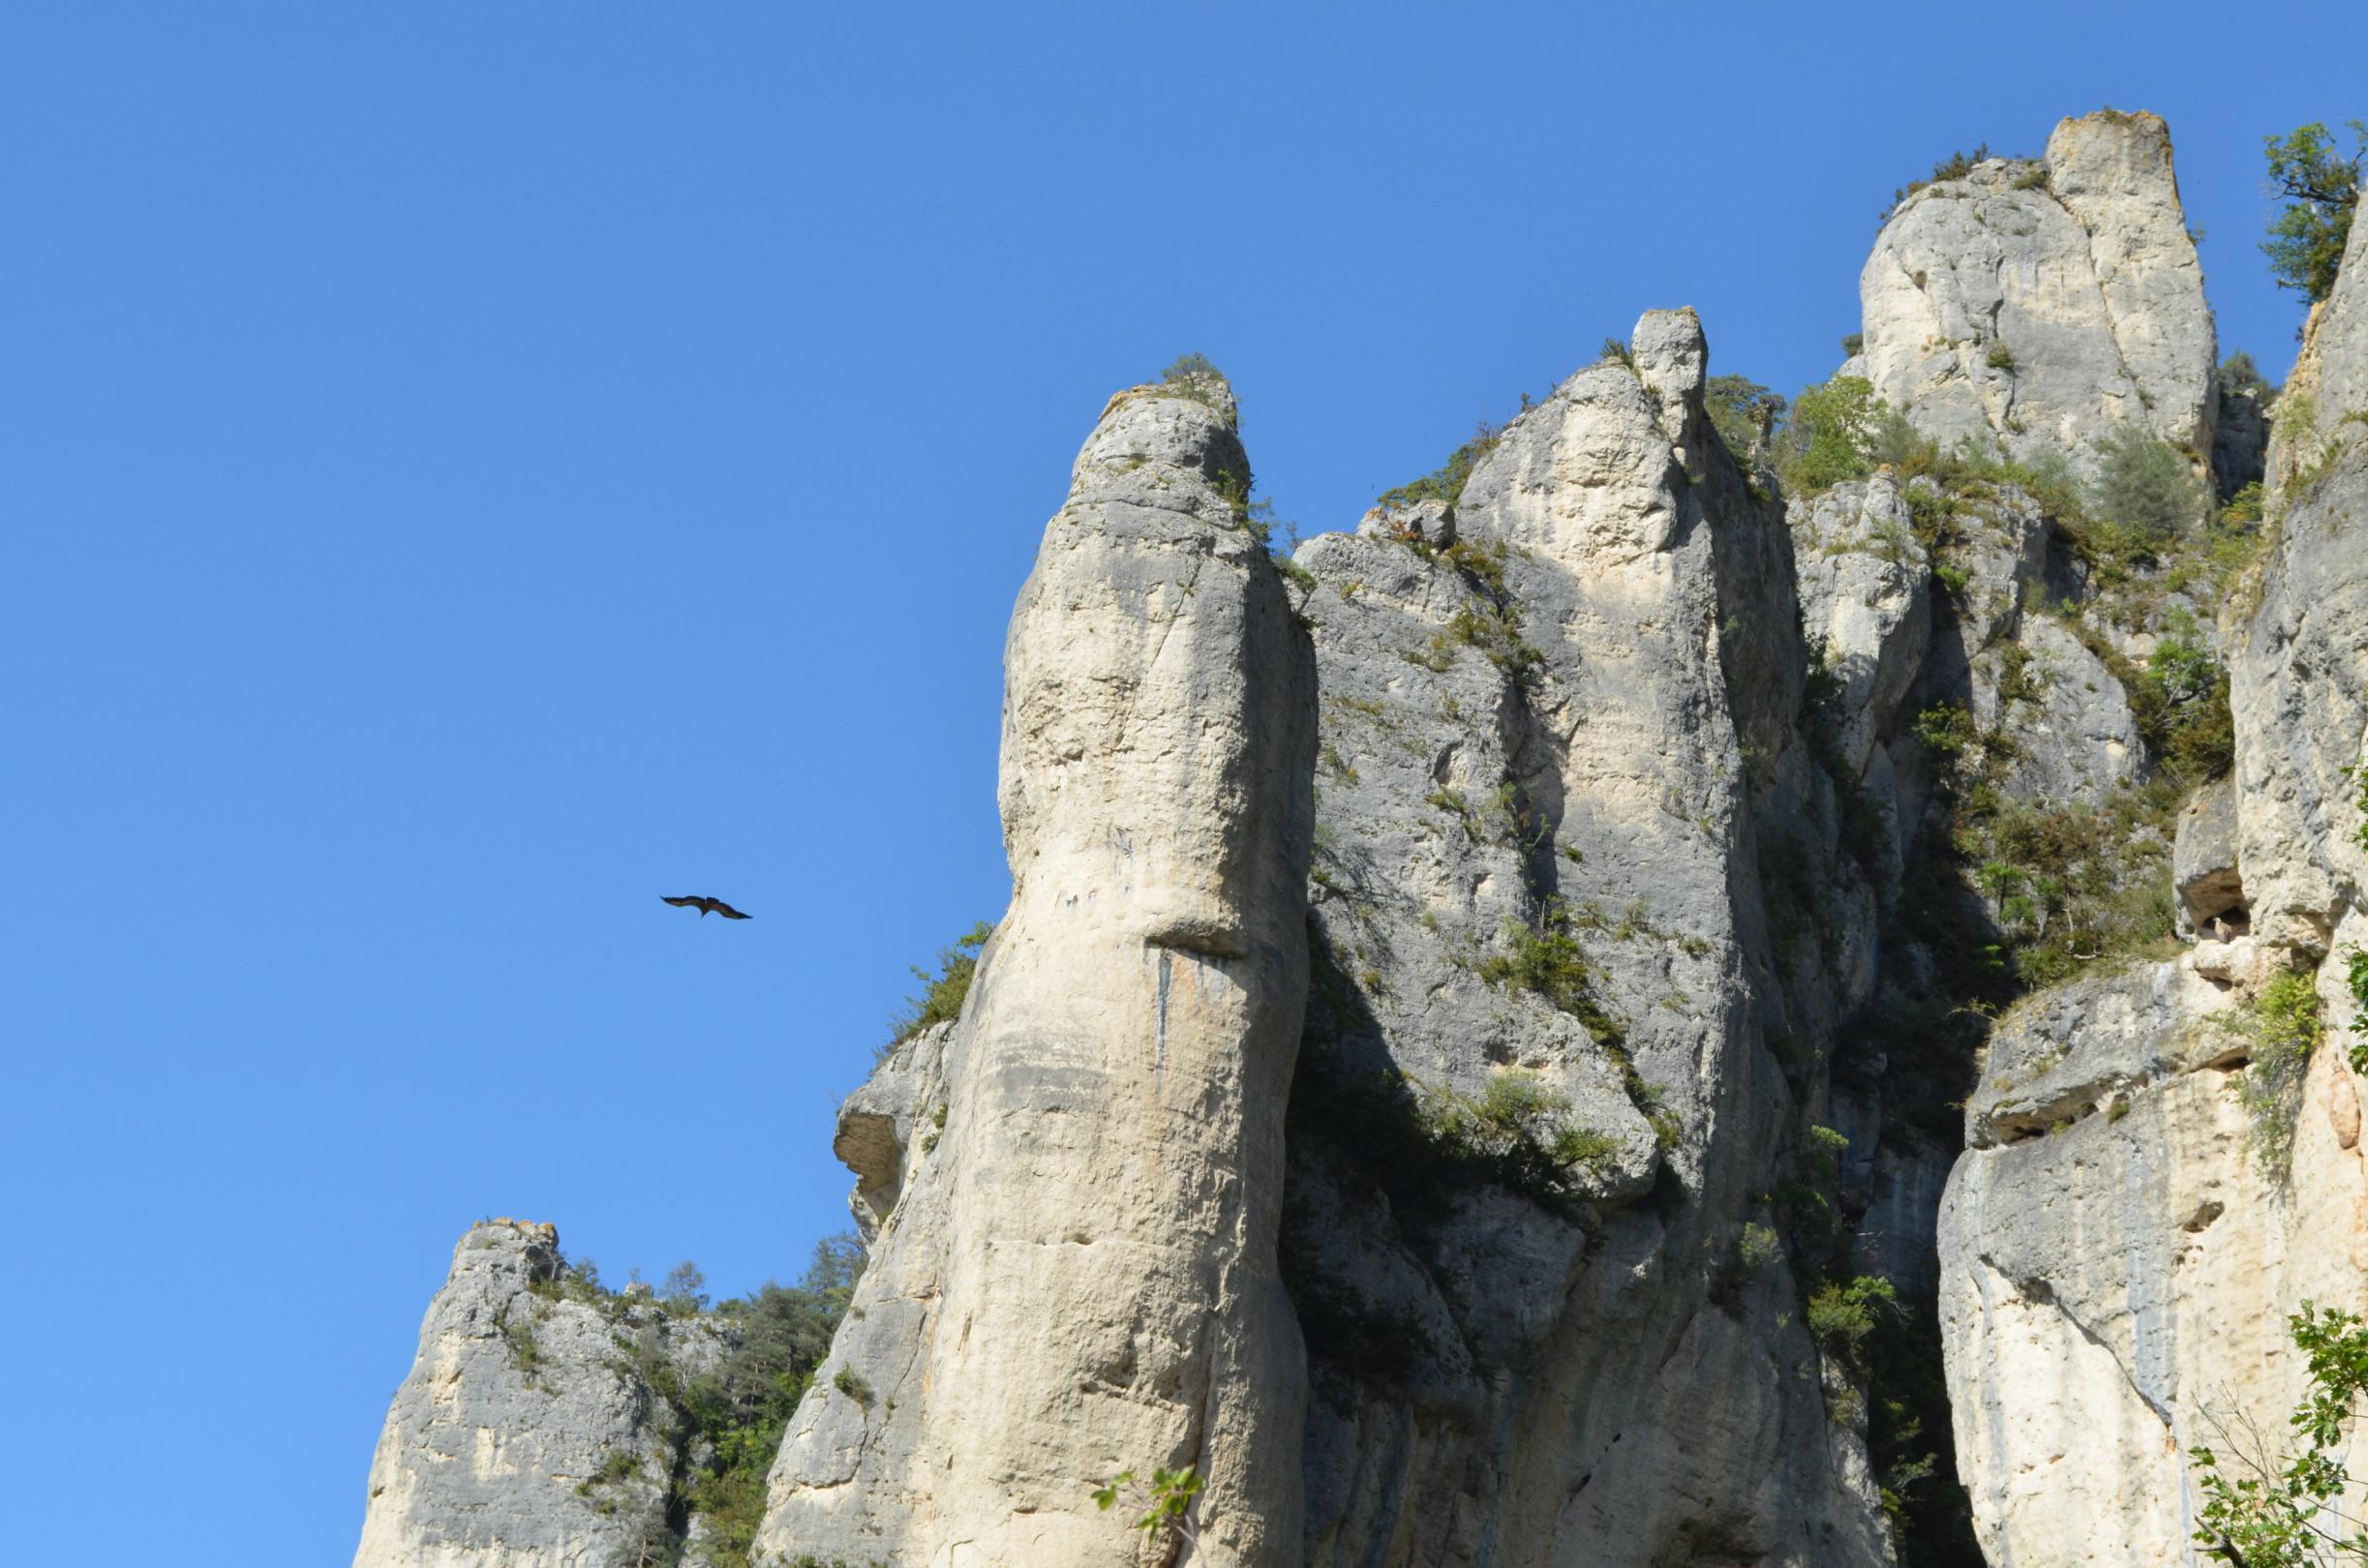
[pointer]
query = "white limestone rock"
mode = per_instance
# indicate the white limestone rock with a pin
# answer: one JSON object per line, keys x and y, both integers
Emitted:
{"x": 1080, "y": 1276}
{"x": 529, "y": 1433}
{"x": 2033, "y": 307}
{"x": 1504, "y": 1374}
{"x": 1866, "y": 603}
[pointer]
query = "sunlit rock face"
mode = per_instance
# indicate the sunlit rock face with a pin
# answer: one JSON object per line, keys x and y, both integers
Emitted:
{"x": 2032, "y": 307}
{"x": 1557, "y": 729}
{"x": 529, "y": 1433}
{"x": 1077, "y": 1276}
{"x": 2123, "y": 1242}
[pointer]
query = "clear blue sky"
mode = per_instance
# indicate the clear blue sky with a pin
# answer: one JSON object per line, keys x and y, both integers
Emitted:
{"x": 466, "y": 470}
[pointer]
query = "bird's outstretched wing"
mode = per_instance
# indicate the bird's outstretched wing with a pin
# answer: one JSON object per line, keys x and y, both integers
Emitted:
{"x": 706, "y": 906}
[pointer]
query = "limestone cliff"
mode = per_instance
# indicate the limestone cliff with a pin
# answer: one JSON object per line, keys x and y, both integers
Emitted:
{"x": 1079, "y": 1276}
{"x": 2040, "y": 304}
{"x": 531, "y": 1431}
{"x": 2157, "y": 1175}
{"x": 1536, "y": 1031}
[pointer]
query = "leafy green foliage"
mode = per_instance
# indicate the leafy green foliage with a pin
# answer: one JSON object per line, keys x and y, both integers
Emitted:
{"x": 2262, "y": 1510}
{"x": 2244, "y": 509}
{"x": 1841, "y": 1313}
{"x": 1545, "y": 959}
{"x": 1519, "y": 1130}
{"x": 1909, "y": 1440}
{"x": 2180, "y": 701}
{"x": 2144, "y": 483}
{"x": 1947, "y": 728}
{"x": 1169, "y": 1497}
{"x": 2239, "y": 374}
{"x": 853, "y": 1384}
{"x": 1745, "y": 412}
{"x": 941, "y": 996}
{"x": 2282, "y": 1025}
{"x": 744, "y": 1405}
{"x": 1447, "y": 481}
{"x": 1188, "y": 367}
{"x": 1955, "y": 167}
{"x": 1830, "y": 435}
{"x": 2306, "y": 239}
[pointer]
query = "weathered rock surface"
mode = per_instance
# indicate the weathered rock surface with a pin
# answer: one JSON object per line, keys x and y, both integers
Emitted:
{"x": 1865, "y": 604}
{"x": 2033, "y": 307}
{"x": 2323, "y": 404}
{"x": 1080, "y": 1276}
{"x": 529, "y": 1433}
{"x": 1544, "y": 738}
{"x": 2204, "y": 861}
{"x": 2299, "y": 696}
{"x": 2116, "y": 1266}
{"x": 2123, "y": 1243}
{"x": 2240, "y": 440}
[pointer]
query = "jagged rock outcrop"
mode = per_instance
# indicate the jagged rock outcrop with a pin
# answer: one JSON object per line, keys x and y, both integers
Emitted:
{"x": 2118, "y": 1258}
{"x": 1585, "y": 855}
{"x": 1534, "y": 874}
{"x": 529, "y": 1432}
{"x": 1865, "y": 604}
{"x": 1080, "y": 1277}
{"x": 2034, "y": 306}
{"x": 2240, "y": 440}
{"x": 2157, "y": 1177}
{"x": 2324, "y": 405}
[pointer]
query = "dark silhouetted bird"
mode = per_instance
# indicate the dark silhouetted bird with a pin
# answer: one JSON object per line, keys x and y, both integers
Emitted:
{"x": 706, "y": 907}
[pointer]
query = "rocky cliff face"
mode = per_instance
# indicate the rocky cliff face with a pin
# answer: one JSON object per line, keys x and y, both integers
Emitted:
{"x": 2158, "y": 1173}
{"x": 2040, "y": 304}
{"x": 1536, "y": 879}
{"x": 532, "y": 1431}
{"x": 1536, "y": 1031}
{"x": 1112, "y": 1097}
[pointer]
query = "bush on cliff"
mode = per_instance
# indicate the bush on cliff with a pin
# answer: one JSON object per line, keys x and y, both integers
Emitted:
{"x": 941, "y": 996}
{"x": 2306, "y": 240}
{"x": 2264, "y": 1509}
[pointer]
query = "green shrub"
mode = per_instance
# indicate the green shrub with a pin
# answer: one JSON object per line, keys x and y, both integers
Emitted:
{"x": 2273, "y": 1513}
{"x": 2284, "y": 1029}
{"x": 1758, "y": 1246}
{"x": 941, "y": 996}
{"x": 2239, "y": 374}
{"x": 2244, "y": 509}
{"x": 1853, "y": 345}
{"x": 1545, "y": 959}
{"x": 1945, "y": 728}
{"x": 1829, "y": 436}
{"x": 2144, "y": 483}
{"x": 1740, "y": 408}
{"x": 2306, "y": 239}
{"x": 852, "y": 1383}
{"x": 1517, "y": 1130}
{"x": 2000, "y": 356}
{"x": 1447, "y": 481}
{"x": 1842, "y": 1313}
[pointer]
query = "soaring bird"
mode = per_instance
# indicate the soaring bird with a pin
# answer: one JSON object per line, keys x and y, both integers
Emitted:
{"x": 706, "y": 907}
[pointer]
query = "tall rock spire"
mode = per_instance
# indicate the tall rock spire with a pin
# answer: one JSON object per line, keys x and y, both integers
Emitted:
{"x": 1078, "y": 1275}
{"x": 2035, "y": 305}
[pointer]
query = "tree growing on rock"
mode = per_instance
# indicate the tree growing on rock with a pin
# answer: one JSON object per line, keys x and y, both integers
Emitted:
{"x": 2268, "y": 1510}
{"x": 2306, "y": 239}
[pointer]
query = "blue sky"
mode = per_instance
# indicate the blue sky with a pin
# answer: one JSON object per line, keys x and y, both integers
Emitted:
{"x": 468, "y": 470}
